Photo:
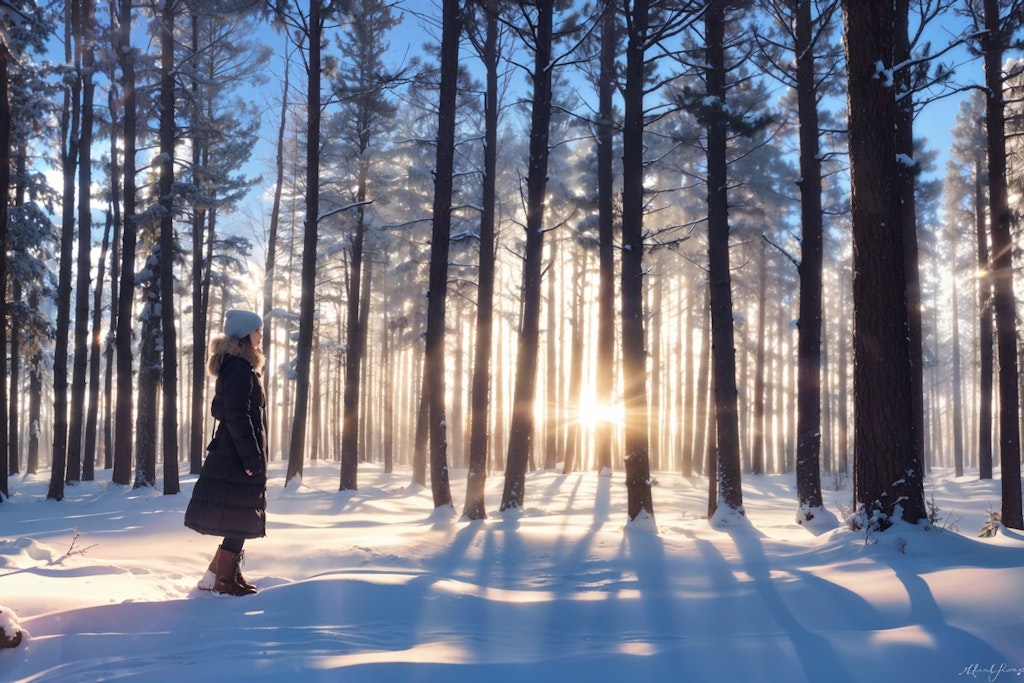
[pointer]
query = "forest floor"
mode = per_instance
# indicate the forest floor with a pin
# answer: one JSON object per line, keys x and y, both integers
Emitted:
{"x": 376, "y": 585}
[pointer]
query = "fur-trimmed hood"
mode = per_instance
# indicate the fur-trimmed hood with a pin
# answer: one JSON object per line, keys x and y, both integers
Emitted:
{"x": 221, "y": 346}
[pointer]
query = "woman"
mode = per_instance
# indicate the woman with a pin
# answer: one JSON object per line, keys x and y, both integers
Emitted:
{"x": 230, "y": 496}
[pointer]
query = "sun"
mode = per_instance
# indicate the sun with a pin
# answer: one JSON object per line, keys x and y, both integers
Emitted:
{"x": 592, "y": 413}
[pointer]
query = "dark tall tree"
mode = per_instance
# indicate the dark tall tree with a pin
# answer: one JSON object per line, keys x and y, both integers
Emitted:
{"x": 726, "y": 393}
{"x": 123, "y": 442}
{"x": 85, "y": 61}
{"x": 521, "y": 430}
{"x": 95, "y": 356}
{"x": 5, "y": 187}
{"x": 444, "y": 170}
{"x": 1000, "y": 19}
{"x": 70, "y": 122}
{"x": 807, "y": 35}
{"x": 309, "y": 26}
{"x": 888, "y": 468}
{"x": 168, "y": 249}
{"x": 634, "y": 349}
{"x": 605, "y": 132}
{"x": 484, "y": 35}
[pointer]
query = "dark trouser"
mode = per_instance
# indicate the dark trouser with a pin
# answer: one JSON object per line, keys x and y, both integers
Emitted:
{"x": 232, "y": 545}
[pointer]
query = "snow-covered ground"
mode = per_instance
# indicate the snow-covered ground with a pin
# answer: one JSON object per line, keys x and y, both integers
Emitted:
{"x": 376, "y": 585}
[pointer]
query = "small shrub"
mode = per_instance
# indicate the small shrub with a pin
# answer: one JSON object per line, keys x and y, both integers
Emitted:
{"x": 991, "y": 526}
{"x": 936, "y": 520}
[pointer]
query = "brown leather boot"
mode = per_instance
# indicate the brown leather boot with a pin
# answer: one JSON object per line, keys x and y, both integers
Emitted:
{"x": 239, "y": 579}
{"x": 222, "y": 575}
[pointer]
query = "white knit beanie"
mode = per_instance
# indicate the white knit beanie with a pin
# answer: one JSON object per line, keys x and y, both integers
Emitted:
{"x": 240, "y": 324}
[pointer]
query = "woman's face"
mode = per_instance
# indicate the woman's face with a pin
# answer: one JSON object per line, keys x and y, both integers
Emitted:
{"x": 256, "y": 338}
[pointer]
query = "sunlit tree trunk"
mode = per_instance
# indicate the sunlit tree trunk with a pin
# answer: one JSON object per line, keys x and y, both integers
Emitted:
{"x": 605, "y": 360}
{"x": 576, "y": 346}
{"x": 986, "y": 361}
{"x": 521, "y": 430}
{"x": 86, "y": 64}
{"x": 434, "y": 360}
{"x": 757, "y": 448}
{"x": 481, "y": 383}
{"x": 168, "y": 244}
{"x": 730, "y": 492}
{"x": 634, "y": 350}
{"x": 808, "y": 446}
{"x": 35, "y": 398}
{"x": 906, "y": 183}
{"x": 109, "y": 344}
{"x": 13, "y": 376}
{"x": 388, "y": 402}
{"x": 843, "y": 372}
{"x": 123, "y": 441}
{"x": 553, "y": 403}
{"x": 354, "y": 330}
{"x": 69, "y": 131}
{"x": 307, "y": 304}
{"x": 686, "y": 387}
{"x": 958, "y": 411}
{"x": 422, "y": 436}
{"x": 200, "y": 298}
{"x": 270, "y": 264}
{"x": 656, "y": 318}
{"x": 5, "y": 187}
{"x": 95, "y": 354}
{"x": 1005, "y": 303}
{"x": 704, "y": 413}
{"x": 149, "y": 376}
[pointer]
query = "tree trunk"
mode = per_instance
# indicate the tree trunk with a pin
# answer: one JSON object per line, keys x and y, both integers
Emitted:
{"x": 958, "y": 411}
{"x": 95, "y": 354}
{"x": 605, "y": 361}
{"x": 354, "y": 334}
{"x": 985, "y": 331}
{"x": 905, "y": 178}
{"x": 169, "y": 344}
{"x": 200, "y": 301}
{"x": 307, "y": 304}
{"x": 1005, "y": 302}
{"x": 730, "y": 492}
{"x": 35, "y": 396}
{"x": 634, "y": 351}
{"x": 757, "y": 455}
{"x": 150, "y": 364}
{"x": 808, "y": 448}
{"x": 80, "y": 366}
{"x": 521, "y": 431}
{"x": 888, "y": 481}
{"x": 704, "y": 413}
{"x": 843, "y": 437}
{"x": 270, "y": 267}
{"x": 572, "y": 435}
{"x": 552, "y": 403}
{"x": 5, "y": 187}
{"x": 123, "y": 441}
{"x": 70, "y": 118}
{"x": 481, "y": 382}
{"x": 113, "y": 104}
{"x": 434, "y": 361}
{"x": 12, "y": 391}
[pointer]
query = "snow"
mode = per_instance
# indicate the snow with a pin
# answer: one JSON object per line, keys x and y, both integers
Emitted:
{"x": 375, "y": 585}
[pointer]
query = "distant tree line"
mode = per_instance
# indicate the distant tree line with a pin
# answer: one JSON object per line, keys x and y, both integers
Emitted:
{"x": 699, "y": 236}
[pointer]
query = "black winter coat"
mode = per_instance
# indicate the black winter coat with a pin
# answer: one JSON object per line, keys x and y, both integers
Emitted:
{"x": 226, "y": 501}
